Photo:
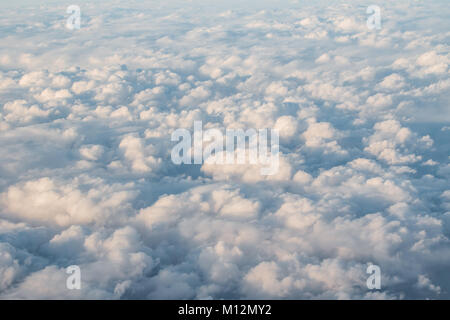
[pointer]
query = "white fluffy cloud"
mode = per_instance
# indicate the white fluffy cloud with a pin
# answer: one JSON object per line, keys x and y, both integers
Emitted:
{"x": 86, "y": 178}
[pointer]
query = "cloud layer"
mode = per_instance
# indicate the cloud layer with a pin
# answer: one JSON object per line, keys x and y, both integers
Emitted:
{"x": 86, "y": 179}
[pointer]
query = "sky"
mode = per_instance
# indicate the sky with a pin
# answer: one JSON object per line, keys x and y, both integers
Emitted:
{"x": 87, "y": 179}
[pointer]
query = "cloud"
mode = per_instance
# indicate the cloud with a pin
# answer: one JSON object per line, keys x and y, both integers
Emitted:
{"x": 86, "y": 176}
{"x": 391, "y": 142}
{"x": 46, "y": 201}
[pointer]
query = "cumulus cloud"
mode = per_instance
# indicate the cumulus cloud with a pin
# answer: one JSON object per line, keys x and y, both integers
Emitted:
{"x": 45, "y": 201}
{"x": 86, "y": 176}
{"x": 391, "y": 143}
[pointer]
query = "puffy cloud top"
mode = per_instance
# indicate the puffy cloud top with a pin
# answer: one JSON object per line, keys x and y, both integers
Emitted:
{"x": 86, "y": 178}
